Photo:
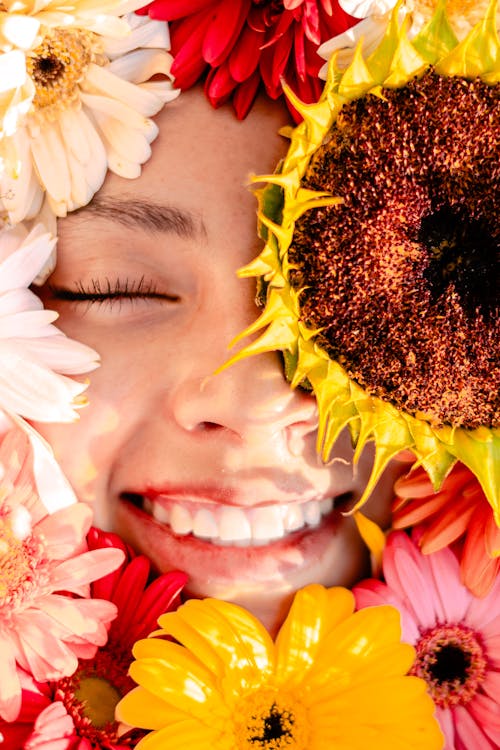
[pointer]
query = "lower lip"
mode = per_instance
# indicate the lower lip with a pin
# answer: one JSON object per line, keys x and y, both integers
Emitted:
{"x": 204, "y": 561}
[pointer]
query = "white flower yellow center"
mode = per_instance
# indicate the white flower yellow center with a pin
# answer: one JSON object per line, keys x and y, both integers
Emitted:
{"x": 57, "y": 66}
{"x": 270, "y": 720}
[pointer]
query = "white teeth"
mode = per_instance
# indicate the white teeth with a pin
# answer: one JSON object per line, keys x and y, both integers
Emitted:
{"x": 294, "y": 518}
{"x": 243, "y": 527}
{"x": 181, "y": 520}
{"x": 267, "y": 523}
{"x": 312, "y": 513}
{"x": 234, "y": 526}
{"x": 204, "y": 524}
{"x": 326, "y": 506}
{"x": 161, "y": 514}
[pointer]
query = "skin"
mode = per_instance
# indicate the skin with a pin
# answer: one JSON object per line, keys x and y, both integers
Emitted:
{"x": 159, "y": 420}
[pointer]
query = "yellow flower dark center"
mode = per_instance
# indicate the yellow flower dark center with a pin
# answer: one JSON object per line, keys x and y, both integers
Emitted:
{"x": 401, "y": 278}
{"x": 452, "y": 660}
{"x": 268, "y": 720}
{"x": 56, "y": 67}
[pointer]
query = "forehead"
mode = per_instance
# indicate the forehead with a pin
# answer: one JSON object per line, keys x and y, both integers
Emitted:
{"x": 205, "y": 150}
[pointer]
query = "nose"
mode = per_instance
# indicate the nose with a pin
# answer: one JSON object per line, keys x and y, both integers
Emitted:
{"x": 250, "y": 400}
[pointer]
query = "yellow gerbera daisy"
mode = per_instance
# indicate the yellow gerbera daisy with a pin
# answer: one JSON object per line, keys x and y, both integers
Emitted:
{"x": 331, "y": 679}
{"x": 382, "y": 234}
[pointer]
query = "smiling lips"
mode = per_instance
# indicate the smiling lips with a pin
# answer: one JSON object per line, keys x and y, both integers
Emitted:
{"x": 229, "y": 525}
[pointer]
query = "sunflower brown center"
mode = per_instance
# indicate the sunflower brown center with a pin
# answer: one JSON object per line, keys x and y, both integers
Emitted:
{"x": 402, "y": 277}
{"x": 56, "y": 67}
{"x": 451, "y": 659}
{"x": 270, "y": 721}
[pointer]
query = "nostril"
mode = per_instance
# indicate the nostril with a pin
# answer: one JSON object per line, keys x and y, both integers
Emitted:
{"x": 209, "y": 426}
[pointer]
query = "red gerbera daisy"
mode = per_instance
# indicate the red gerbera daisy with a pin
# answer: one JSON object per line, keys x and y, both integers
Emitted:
{"x": 458, "y": 512}
{"x": 241, "y": 42}
{"x": 77, "y": 712}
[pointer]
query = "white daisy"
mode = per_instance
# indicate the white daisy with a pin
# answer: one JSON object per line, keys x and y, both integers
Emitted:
{"x": 35, "y": 357}
{"x": 374, "y": 15}
{"x": 88, "y": 68}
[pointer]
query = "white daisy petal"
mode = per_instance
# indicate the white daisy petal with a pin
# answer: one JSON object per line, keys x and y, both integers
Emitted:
{"x": 54, "y": 140}
{"x": 130, "y": 144}
{"x": 20, "y": 267}
{"x": 48, "y": 151}
{"x": 20, "y": 30}
{"x": 19, "y": 189}
{"x": 18, "y": 300}
{"x": 64, "y": 355}
{"x": 122, "y": 166}
{"x": 17, "y": 324}
{"x": 33, "y": 352}
{"x": 146, "y": 33}
{"x": 117, "y": 110}
{"x": 370, "y": 30}
{"x": 21, "y": 383}
{"x": 364, "y": 8}
{"x": 103, "y": 80}
{"x": 12, "y": 70}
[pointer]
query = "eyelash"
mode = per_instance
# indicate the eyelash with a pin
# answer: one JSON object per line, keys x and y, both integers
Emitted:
{"x": 111, "y": 292}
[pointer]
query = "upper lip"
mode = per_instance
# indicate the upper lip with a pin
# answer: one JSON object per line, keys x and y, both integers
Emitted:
{"x": 219, "y": 495}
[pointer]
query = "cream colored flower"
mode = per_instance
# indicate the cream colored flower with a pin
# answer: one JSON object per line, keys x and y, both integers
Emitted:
{"x": 374, "y": 15}
{"x": 83, "y": 103}
{"x": 35, "y": 357}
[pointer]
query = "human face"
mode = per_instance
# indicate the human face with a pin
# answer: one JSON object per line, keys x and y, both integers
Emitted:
{"x": 167, "y": 452}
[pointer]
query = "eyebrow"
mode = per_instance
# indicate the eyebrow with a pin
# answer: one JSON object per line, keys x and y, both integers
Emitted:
{"x": 147, "y": 215}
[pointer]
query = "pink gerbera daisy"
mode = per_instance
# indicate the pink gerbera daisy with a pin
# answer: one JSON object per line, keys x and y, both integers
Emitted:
{"x": 456, "y": 636}
{"x": 457, "y": 512}
{"x": 241, "y": 42}
{"x": 47, "y": 621}
{"x": 77, "y": 712}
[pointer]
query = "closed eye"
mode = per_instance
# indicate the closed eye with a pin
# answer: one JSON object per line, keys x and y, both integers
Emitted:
{"x": 101, "y": 291}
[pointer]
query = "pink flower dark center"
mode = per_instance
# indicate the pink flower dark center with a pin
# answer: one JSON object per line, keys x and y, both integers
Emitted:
{"x": 91, "y": 694}
{"x": 452, "y": 660}
{"x": 23, "y": 567}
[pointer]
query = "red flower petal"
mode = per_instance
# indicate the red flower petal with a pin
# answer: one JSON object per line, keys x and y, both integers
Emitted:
{"x": 300, "y": 55}
{"x": 245, "y": 94}
{"x": 245, "y": 55}
{"x": 219, "y": 85}
{"x": 310, "y": 22}
{"x": 188, "y": 64}
{"x": 225, "y": 28}
{"x": 170, "y": 10}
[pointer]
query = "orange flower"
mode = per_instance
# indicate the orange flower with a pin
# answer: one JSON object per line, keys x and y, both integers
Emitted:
{"x": 458, "y": 513}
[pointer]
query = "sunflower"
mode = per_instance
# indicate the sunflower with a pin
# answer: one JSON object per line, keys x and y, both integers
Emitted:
{"x": 382, "y": 232}
{"x": 333, "y": 678}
